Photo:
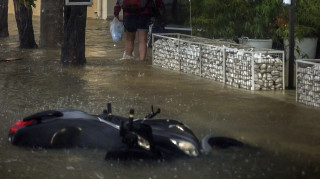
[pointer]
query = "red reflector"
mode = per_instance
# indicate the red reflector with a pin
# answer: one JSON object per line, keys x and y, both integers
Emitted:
{"x": 18, "y": 125}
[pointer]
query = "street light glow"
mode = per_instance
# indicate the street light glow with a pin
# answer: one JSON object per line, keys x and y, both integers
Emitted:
{"x": 287, "y": 2}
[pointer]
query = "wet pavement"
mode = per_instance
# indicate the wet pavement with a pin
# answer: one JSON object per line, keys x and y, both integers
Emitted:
{"x": 284, "y": 134}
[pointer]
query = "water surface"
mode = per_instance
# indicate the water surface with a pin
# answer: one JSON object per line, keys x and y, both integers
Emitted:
{"x": 285, "y": 135}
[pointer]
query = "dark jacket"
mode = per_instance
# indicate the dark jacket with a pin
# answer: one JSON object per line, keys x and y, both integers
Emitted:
{"x": 148, "y": 10}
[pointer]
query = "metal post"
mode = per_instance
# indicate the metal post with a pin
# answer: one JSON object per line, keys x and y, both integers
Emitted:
{"x": 297, "y": 83}
{"x": 224, "y": 64}
{"x": 200, "y": 59}
{"x": 252, "y": 71}
{"x": 291, "y": 45}
{"x": 152, "y": 36}
{"x": 104, "y": 9}
{"x": 190, "y": 17}
{"x": 99, "y": 8}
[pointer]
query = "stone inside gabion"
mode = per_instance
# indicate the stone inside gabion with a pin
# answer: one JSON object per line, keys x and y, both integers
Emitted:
{"x": 308, "y": 85}
{"x": 242, "y": 68}
{"x": 212, "y": 63}
{"x": 268, "y": 72}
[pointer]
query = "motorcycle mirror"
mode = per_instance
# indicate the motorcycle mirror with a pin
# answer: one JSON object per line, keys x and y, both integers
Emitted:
{"x": 109, "y": 108}
{"x": 153, "y": 114}
{"x": 131, "y": 116}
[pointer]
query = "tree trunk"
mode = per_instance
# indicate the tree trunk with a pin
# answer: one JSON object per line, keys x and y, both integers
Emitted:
{"x": 51, "y": 23}
{"x": 24, "y": 24}
{"x": 4, "y": 18}
{"x": 73, "y": 47}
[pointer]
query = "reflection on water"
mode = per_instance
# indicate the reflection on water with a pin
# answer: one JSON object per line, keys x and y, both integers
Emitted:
{"x": 286, "y": 134}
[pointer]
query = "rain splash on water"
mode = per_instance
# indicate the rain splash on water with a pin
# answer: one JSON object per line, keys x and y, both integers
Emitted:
{"x": 284, "y": 135}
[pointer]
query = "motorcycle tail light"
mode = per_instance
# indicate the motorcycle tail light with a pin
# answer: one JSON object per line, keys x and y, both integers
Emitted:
{"x": 18, "y": 125}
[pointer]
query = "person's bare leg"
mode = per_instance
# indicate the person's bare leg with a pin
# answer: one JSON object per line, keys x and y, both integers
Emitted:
{"x": 142, "y": 35}
{"x": 130, "y": 37}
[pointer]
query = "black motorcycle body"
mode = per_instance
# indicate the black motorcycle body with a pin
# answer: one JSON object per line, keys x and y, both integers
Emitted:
{"x": 121, "y": 137}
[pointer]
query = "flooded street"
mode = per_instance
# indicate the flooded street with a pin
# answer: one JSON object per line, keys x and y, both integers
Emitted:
{"x": 284, "y": 134}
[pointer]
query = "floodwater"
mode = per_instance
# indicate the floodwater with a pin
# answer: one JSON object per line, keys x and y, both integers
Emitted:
{"x": 284, "y": 134}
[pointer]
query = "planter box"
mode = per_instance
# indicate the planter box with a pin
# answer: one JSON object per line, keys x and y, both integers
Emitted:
{"x": 308, "y": 82}
{"x": 233, "y": 64}
{"x": 258, "y": 43}
{"x": 306, "y": 46}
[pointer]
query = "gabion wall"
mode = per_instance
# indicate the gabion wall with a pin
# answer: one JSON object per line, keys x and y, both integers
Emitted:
{"x": 212, "y": 63}
{"x": 308, "y": 82}
{"x": 238, "y": 68}
{"x": 233, "y": 64}
{"x": 166, "y": 54}
{"x": 266, "y": 74}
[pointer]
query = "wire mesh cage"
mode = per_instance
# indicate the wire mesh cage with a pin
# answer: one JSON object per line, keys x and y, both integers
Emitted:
{"x": 230, "y": 63}
{"x": 212, "y": 62}
{"x": 308, "y": 82}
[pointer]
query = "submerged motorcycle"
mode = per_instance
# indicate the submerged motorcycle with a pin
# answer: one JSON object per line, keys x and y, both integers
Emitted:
{"x": 121, "y": 137}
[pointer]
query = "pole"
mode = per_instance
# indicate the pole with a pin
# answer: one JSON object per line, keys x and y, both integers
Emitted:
{"x": 104, "y": 9}
{"x": 291, "y": 45}
{"x": 99, "y": 8}
{"x": 190, "y": 17}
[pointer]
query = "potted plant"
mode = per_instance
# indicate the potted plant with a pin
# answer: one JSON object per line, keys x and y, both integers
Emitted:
{"x": 259, "y": 23}
{"x": 218, "y": 18}
{"x": 307, "y": 28}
